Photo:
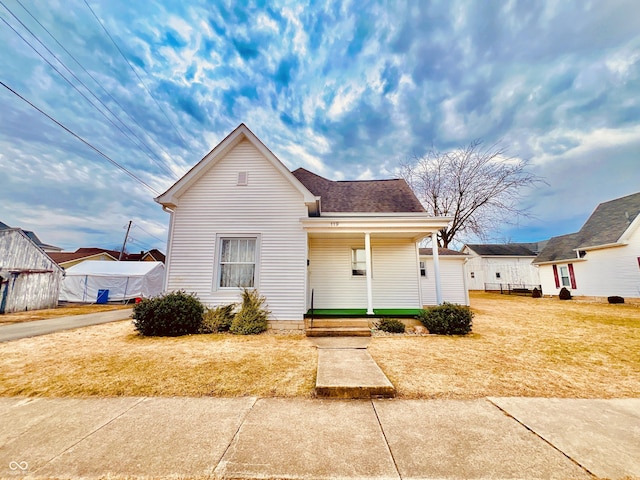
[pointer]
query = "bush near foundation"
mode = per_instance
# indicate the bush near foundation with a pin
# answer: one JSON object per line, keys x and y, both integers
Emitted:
{"x": 564, "y": 294}
{"x": 447, "y": 319}
{"x": 218, "y": 319}
{"x": 252, "y": 317}
{"x": 615, "y": 299}
{"x": 390, "y": 325}
{"x": 169, "y": 315}
{"x": 535, "y": 293}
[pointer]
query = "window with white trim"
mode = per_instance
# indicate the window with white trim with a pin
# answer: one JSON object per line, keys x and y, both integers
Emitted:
{"x": 423, "y": 269}
{"x": 237, "y": 262}
{"x": 564, "y": 276}
{"x": 358, "y": 262}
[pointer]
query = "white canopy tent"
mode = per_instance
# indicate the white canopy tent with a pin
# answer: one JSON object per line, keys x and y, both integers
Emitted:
{"x": 123, "y": 280}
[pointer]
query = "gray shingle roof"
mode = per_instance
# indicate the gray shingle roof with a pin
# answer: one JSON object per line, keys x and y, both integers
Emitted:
{"x": 364, "y": 196}
{"x": 441, "y": 251}
{"x": 606, "y": 225}
{"x": 506, "y": 249}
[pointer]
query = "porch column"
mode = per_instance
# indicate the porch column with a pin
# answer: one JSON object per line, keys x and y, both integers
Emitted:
{"x": 436, "y": 266}
{"x": 367, "y": 256}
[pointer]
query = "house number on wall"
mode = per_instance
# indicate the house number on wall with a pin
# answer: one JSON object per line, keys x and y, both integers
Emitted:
{"x": 335, "y": 224}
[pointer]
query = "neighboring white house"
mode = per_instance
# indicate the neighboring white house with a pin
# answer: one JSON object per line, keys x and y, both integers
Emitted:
{"x": 491, "y": 266}
{"x": 241, "y": 218}
{"x": 602, "y": 259}
{"x": 452, "y": 276}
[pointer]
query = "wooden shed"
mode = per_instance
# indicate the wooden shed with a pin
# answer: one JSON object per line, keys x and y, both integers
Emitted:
{"x": 30, "y": 280}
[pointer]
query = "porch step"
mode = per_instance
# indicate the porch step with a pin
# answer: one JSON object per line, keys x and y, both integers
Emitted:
{"x": 338, "y": 327}
{"x": 338, "y": 332}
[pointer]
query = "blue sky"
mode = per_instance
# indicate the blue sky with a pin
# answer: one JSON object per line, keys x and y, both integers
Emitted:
{"x": 345, "y": 89}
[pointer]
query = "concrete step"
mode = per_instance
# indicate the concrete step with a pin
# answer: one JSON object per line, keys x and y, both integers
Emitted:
{"x": 350, "y": 373}
{"x": 338, "y": 332}
{"x": 338, "y": 322}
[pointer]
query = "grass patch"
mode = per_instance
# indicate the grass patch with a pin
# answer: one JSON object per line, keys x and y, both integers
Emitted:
{"x": 519, "y": 347}
{"x": 522, "y": 347}
{"x": 112, "y": 360}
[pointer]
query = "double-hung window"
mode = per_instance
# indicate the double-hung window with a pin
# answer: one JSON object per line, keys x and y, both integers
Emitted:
{"x": 237, "y": 262}
{"x": 358, "y": 262}
{"x": 564, "y": 276}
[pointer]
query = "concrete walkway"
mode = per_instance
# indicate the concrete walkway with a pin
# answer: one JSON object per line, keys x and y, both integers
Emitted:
{"x": 16, "y": 331}
{"x": 347, "y": 370}
{"x": 319, "y": 439}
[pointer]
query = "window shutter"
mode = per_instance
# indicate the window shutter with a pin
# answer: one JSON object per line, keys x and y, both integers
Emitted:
{"x": 572, "y": 276}
{"x": 555, "y": 276}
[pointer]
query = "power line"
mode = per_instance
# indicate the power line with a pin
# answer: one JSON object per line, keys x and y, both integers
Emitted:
{"x": 135, "y": 225}
{"x": 92, "y": 78}
{"x": 74, "y": 86}
{"x": 136, "y": 74}
{"x": 109, "y": 159}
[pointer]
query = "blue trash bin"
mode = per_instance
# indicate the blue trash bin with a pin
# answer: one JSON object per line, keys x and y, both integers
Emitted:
{"x": 103, "y": 296}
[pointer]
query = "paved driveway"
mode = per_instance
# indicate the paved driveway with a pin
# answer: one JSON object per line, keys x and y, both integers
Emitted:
{"x": 44, "y": 327}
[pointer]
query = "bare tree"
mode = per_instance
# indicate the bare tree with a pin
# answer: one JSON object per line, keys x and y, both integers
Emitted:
{"x": 480, "y": 188}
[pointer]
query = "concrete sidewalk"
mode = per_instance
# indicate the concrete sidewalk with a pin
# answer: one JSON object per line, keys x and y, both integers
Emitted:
{"x": 310, "y": 438}
{"x": 16, "y": 331}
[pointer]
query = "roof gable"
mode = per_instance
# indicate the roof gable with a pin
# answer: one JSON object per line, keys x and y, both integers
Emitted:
{"x": 171, "y": 197}
{"x": 609, "y": 221}
{"x": 607, "y": 225}
{"x": 427, "y": 252}
{"x": 363, "y": 196}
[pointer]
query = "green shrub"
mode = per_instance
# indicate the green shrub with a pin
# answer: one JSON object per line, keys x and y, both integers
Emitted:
{"x": 390, "y": 325}
{"x": 218, "y": 319}
{"x": 535, "y": 293}
{"x": 564, "y": 294}
{"x": 615, "y": 299}
{"x": 252, "y": 316}
{"x": 169, "y": 315}
{"x": 447, "y": 319}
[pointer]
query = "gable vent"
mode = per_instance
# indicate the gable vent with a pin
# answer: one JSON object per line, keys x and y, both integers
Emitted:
{"x": 243, "y": 178}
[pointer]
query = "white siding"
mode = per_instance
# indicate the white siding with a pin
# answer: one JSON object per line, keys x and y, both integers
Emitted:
{"x": 395, "y": 274}
{"x": 454, "y": 289}
{"x": 603, "y": 273}
{"x": 269, "y": 207}
{"x": 512, "y": 270}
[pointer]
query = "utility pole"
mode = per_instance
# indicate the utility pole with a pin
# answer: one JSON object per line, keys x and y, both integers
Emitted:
{"x": 124, "y": 244}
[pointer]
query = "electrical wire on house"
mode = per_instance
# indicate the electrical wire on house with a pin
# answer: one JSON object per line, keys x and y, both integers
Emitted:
{"x": 68, "y": 130}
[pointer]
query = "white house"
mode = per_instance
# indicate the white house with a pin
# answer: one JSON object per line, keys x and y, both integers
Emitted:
{"x": 452, "y": 276}
{"x": 491, "y": 266}
{"x": 602, "y": 259}
{"x": 241, "y": 218}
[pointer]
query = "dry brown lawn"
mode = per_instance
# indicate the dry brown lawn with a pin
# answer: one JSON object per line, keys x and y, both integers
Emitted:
{"x": 522, "y": 346}
{"x": 61, "y": 311}
{"x": 519, "y": 347}
{"x": 112, "y": 360}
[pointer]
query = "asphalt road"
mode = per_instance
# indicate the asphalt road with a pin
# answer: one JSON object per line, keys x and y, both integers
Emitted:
{"x": 52, "y": 325}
